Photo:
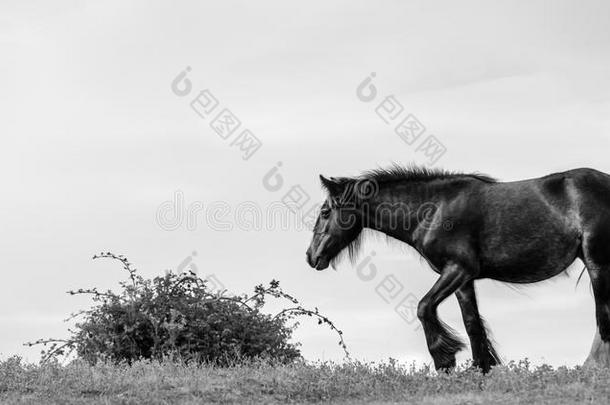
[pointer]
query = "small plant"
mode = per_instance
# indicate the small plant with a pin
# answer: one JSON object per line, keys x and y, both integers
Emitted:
{"x": 177, "y": 315}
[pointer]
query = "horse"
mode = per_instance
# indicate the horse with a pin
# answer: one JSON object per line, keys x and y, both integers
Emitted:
{"x": 469, "y": 227}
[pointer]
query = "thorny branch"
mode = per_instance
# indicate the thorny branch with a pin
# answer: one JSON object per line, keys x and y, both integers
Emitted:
{"x": 58, "y": 347}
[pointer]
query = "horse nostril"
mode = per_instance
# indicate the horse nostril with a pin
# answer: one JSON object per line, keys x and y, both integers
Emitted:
{"x": 310, "y": 259}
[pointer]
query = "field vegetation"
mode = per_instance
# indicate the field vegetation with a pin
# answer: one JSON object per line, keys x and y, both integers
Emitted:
{"x": 171, "y": 381}
{"x": 171, "y": 340}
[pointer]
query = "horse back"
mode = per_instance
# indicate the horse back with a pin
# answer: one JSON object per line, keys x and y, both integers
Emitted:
{"x": 530, "y": 230}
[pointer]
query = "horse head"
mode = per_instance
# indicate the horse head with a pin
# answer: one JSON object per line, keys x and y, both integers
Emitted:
{"x": 339, "y": 222}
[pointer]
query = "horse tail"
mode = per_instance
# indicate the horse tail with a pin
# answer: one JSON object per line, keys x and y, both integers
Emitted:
{"x": 580, "y": 276}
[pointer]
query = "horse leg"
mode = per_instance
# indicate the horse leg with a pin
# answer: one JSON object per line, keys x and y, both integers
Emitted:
{"x": 600, "y": 350}
{"x": 597, "y": 259}
{"x": 484, "y": 355}
{"x": 442, "y": 341}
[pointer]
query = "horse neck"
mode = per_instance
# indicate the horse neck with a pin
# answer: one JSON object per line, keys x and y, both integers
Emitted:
{"x": 398, "y": 210}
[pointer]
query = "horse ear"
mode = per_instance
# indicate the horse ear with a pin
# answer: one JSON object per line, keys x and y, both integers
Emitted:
{"x": 332, "y": 185}
{"x": 326, "y": 183}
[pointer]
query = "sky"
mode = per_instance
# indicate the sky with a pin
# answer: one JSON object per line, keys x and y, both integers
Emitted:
{"x": 99, "y": 144}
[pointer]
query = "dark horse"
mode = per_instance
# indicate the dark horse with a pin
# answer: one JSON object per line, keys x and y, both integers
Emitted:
{"x": 470, "y": 227}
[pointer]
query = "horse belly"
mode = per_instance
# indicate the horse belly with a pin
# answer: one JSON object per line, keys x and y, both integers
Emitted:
{"x": 528, "y": 235}
{"x": 530, "y": 262}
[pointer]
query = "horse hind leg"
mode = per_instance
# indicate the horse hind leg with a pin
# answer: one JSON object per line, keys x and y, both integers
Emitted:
{"x": 600, "y": 349}
{"x": 484, "y": 356}
{"x": 596, "y": 251}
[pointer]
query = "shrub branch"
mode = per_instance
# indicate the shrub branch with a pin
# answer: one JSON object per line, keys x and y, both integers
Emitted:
{"x": 177, "y": 314}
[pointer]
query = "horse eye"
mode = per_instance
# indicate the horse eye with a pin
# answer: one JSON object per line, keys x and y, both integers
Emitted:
{"x": 325, "y": 213}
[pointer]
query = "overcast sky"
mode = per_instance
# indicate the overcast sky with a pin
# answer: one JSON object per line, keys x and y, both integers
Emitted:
{"x": 94, "y": 142}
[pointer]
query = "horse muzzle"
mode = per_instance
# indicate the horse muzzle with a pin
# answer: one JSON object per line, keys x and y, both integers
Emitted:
{"x": 318, "y": 263}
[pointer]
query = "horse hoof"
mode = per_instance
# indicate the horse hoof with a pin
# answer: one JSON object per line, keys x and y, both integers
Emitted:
{"x": 445, "y": 366}
{"x": 483, "y": 369}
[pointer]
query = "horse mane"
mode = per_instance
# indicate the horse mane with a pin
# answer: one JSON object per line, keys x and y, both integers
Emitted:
{"x": 395, "y": 173}
{"x": 411, "y": 173}
{"x": 414, "y": 173}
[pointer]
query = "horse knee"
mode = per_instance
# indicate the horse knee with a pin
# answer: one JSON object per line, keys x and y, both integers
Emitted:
{"x": 423, "y": 310}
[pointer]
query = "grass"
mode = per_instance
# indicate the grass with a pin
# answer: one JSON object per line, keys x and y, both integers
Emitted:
{"x": 166, "y": 382}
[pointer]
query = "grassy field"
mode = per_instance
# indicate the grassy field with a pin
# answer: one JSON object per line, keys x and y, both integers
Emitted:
{"x": 173, "y": 382}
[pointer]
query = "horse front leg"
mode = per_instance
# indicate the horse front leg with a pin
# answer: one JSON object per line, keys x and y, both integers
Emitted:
{"x": 442, "y": 341}
{"x": 484, "y": 355}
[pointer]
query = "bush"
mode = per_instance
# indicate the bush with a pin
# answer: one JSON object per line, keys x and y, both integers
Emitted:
{"x": 177, "y": 315}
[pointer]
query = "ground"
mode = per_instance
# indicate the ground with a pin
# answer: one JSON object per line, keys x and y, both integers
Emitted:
{"x": 170, "y": 382}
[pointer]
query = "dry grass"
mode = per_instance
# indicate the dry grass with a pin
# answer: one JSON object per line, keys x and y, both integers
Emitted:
{"x": 168, "y": 382}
